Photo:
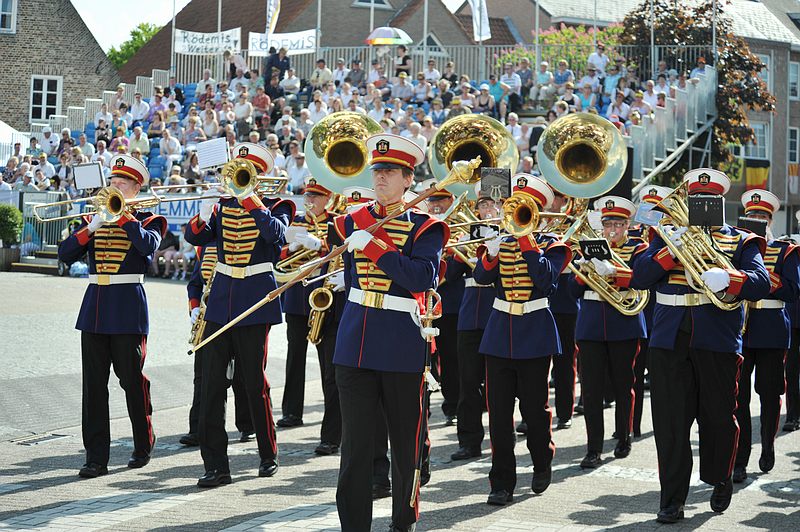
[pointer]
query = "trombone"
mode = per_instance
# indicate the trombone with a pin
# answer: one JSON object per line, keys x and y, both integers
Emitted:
{"x": 109, "y": 203}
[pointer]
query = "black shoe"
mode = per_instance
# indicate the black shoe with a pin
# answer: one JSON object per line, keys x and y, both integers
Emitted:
{"x": 592, "y": 460}
{"x": 395, "y": 528}
{"x": 190, "y": 440}
{"x": 92, "y": 470}
{"x": 623, "y": 448}
{"x": 136, "y": 461}
{"x": 325, "y": 449}
{"x": 615, "y": 435}
{"x": 670, "y": 514}
{"x": 499, "y": 498}
{"x": 791, "y": 425}
{"x": 564, "y": 423}
{"x": 767, "y": 460}
{"x": 541, "y": 480}
{"x": 381, "y": 491}
{"x": 465, "y": 453}
{"x": 246, "y": 436}
{"x": 214, "y": 478}
{"x": 739, "y": 474}
{"x": 268, "y": 468}
{"x": 290, "y": 421}
{"x": 450, "y": 421}
{"x": 425, "y": 473}
{"x": 721, "y": 496}
{"x": 608, "y": 404}
{"x": 579, "y": 409}
{"x": 522, "y": 428}
{"x": 637, "y": 433}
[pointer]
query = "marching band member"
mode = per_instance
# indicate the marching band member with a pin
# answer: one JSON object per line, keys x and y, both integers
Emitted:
{"x": 476, "y": 306}
{"x": 792, "y": 420}
{"x": 295, "y": 300}
{"x": 608, "y": 341}
{"x": 201, "y": 274}
{"x": 113, "y": 319}
{"x": 766, "y": 339}
{"x": 248, "y": 233}
{"x": 519, "y": 341}
{"x": 452, "y": 293}
{"x": 693, "y": 358}
{"x": 564, "y": 307}
{"x": 650, "y": 196}
{"x": 380, "y": 351}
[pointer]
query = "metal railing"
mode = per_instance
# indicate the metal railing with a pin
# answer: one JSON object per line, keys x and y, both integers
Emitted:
{"x": 38, "y": 234}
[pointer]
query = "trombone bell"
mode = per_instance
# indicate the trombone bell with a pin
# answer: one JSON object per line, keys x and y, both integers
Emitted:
{"x": 239, "y": 177}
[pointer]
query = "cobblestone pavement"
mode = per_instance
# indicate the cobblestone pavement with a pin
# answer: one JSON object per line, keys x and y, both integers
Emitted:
{"x": 41, "y": 451}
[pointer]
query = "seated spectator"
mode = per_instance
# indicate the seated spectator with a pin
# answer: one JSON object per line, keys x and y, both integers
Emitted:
{"x": 335, "y": 106}
{"x": 537, "y": 128}
{"x": 290, "y": 85}
{"x": 561, "y": 109}
{"x": 226, "y": 115}
{"x": 403, "y": 89}
{"x": 274, "y": 90}
{"x": 174, "y": 93}
{"x": 201, "y": 85}
{"x": 599, "y": 59}
{"x": 243, "y": 111}
{"x": 298, "y": 174}
{"x": 41, "y": 181}
{"x": 120, "y": 140}
{"x": 26, "y": 184}
{"x": 101, "y": 155}
{"x": 261, "y": 104}
{"x": 157, "y": 126}
{"x": 571, "y": 99}
{"x": 140, "y": 109}
{"x": 484, "y": 102}
{"x": 185, "y": 255}
{"x": 208, "y": 95}
{"x": 340, "y": 73}
{"x": 318, "y": 110}
{"x": 634, "y": 119}
{"x": 102, "y": 114}
{"x": 619, "y": 108}
{"x": 191, "y": 167}
{"x": 633, "y": 78}
{"x": 443, "y": 92}
{"x": 86, "y": 147}
{"x": 500, "y": 91}
{"x": 650, "y": 95}
{"x": 46, "y": 166}
{"x": 587, "y": 97}
{"x": 33, "y": 148}
{"x": 224, "y": 92}
{"x": 287, "y": 118}
{"x": 357, "y": 75}
{"x": 210, "y": 124}
{"x": 166, "y": 249}
{"x": 661, "y": 100}
{"x": 414, "y": 134}
{"x": 525, "y": 165}
{"x": 614, "y": 119}
{"x": 352, "y": 106}
{"x": 101, "y": 132}
{"x": 171, "y": 112}
{"x": 422, "y": 92}
{"x": 174, "y": 128}
{"x": 346, "y": 93}
{"x": 526, "y": 76}
{"x": 116, "y": 121}
{"x": 118, "y": 98}
{"x": 125, "y": 116}
{"x": 700, "y": 68}
{"x": 157, "y": 105}
{"x": 170, "y": 149}
{"x": 10, "y": 169}
{"x": 65, "y": 142}
{"x": 378, "y": 110}
{"x": 428, "y": 129}
{"x": 175, "y": 179}
{"x": 438, "y": 112}
{"x": 514, "y": 95}
{"x": 661, "y": 84}
{"x": 193, "y": 135}
{"x": 49, "y": 142}
{"x": 449, "y": 73}
{"x": 513, "y": 126}
{"x": 239, "y": 83}
{"x": 622, "y": 86}
{"x": 456, "y": 109}
{"x": 277, "y": 64}
{"x": 285, "y": 137}
{"x": 329, "y": 93}
{"x": 662, "y": 69}
{"x": 264, "y": 128}
{"x": 591, "y": 78}
{"x": 136, "y": 153}
{"x": 543, "y": 86}
{"x": 320, "y": 77}
{"x": 638, "y": 104}
{"x": 610, "y": 83}
{"x": 466, "y": 93}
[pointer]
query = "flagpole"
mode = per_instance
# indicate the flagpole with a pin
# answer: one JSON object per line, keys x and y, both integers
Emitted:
{"x": 538, "y": 50}
{"x": 220, "y": 73}
{"x": 172, "y": 68}
{"x": 652, "y": 38}
{"x": 482, "y": 66}
{"x": 425, "y": 30}
{"x": 319, "y": 25}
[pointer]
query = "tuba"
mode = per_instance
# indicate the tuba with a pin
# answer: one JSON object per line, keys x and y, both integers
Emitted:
{"x": 696, "y": 247}
{"x": 583, "y": 156}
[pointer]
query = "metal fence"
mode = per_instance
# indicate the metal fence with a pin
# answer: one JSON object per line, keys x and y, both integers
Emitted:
{"x": 35, "y": 234}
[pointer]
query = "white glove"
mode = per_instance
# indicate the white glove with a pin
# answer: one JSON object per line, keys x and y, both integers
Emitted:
{"x": 194, "y": 314}
{"x": 579, "y": 262}
{"x": 358, "y": 240}
{"x": 675, "y": 238}
{"x": 473, "y": 260}
{"x": 294, "y": 246}
{"x": 337, "y": 280}
{"x": 604, "y": 267}
{"x": 428, "y": 332}
{"x": 211, "y": 198}
{"x": 309, "y": 242}
{"x": 493, "y": 246}
{"x": 716, "y": 279}
{"x": 95, "y": 223}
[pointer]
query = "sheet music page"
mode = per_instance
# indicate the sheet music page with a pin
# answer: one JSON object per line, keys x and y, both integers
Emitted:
{"x": 212, "y": 153}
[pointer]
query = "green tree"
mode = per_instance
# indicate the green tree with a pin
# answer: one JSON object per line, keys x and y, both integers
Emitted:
{"x": 140, "y": 35}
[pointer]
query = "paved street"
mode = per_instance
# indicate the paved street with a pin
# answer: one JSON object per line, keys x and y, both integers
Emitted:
{"x": 41, "y": 450}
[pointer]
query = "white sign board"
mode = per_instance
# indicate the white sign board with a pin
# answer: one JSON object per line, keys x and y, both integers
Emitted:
{"x": 296, "y": 43}
{"x": 193, "y": 43}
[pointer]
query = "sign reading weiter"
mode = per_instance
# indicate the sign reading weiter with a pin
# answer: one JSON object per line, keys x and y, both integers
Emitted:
{"x": 190, "y": 42}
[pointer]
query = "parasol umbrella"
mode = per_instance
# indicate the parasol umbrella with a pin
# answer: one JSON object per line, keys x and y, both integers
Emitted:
{"x": 386, "y": 35}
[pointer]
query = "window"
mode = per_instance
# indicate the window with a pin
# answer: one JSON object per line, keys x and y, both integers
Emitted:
{"x": 794, "y": 80}
{"x": 45, "y": 97}
{"x": 764, "y": 75}
{"x": 435, "y": 48}
{"x": 759, "y": 150}
{"x": 794, "y": 145}
{"x": 379, "y": 4}
{"x": 8, "y": 16}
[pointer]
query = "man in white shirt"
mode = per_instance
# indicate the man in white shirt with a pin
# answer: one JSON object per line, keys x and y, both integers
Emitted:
{"x": 140, "y": 109}
{"x": 318, "y": 110}
{"x": 514, "y": 83}
{"x": 377, "y": 111}
{"x": 513, "y": 126}
{"x": 102, "y": 153}
{"x": 432, "y": 75}
{"x": 48, "y": 169}
{"x": 48, "y": 142}
{"x": 591, "y": 78}
{"x": 340, "y": 73}
{"x": 413, "y": 133}
{"x": 239, "y": 80}
{"x": 374, "y": 73}
{"x": 291, "y": 85}
{"x": 650, "y": 95}
{"x": 599, "y": 59}
{"x": 104, "y": 114}
{"x": 201, "y": 85}
{"x": 139, "y": 140}
{"x": 170, "y": 149}
{"x": 298, "y": 173}
{"x": 86, "y": 147}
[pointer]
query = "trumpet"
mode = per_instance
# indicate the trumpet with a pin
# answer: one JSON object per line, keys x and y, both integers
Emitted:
{"x": 239, "y": 179}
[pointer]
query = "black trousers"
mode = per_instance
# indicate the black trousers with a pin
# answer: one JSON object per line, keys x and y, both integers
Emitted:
{"x": 564, "y": 366}
{"x": 360, "y": 392}
{"x": 447, "y": 362}
{"x": 472, "y": 372}
{"x": 247, "y": 345}
{"x": 244, "y": 422}
{"x": 688, "y": 384}
{"x": 638, "y": 384}
{"x": 599, "y": 359}
{"x": 331, "y": 431}
{"x": 380, "y": 461}
{"x": 126, "y": 352}
{"x": 793, "y": 377}
{"x": 770, "y": 385}
{"x": 526, "y": 379}
{"x": 294, "y": 387}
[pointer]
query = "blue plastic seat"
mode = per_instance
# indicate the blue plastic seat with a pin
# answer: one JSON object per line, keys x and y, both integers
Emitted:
{"x": 156, "y": 172}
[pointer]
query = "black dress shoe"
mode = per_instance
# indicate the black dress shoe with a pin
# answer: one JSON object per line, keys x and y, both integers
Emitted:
{"x": 579, "y": 409}
{"x": 246, "y": 436}
{"x": 670, "y": 514}
{"x": 564, "y": 423}
{"x": 190, "y": 440}
{"x": 522, "y": 428}
{"x": 541, "y": 480}
{"x": 381, "y": 491}
{"x": 465, "y": 453}
{"x": 214, "y": 478}
{"x": 499, "y": 498}
{"x": 721, "y": 496}
{"x": 592, "y": 460}
{"x": 615, "y": 435}
{"x": 138, "y": 461}
{"x": 396, "y": 528}
{"x": 739, "y": 474}
{"x": 325, "y": 449}
{"x": 290, "y": 421}
{"x": 450, "y": 421}
{"x": 425, "y": 473}
{"x": 637, "y": 433}
{"x": 623, "y": 448}
{"x": 268, "y": 468}
{"x": 791, "y": 425}
{"x": 92, "y": 470}
{"x": 767, "y": 460}
{"x": 608, "y": 404}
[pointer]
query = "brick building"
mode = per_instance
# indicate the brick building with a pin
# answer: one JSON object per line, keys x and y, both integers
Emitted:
{"x": 50, "y": 61}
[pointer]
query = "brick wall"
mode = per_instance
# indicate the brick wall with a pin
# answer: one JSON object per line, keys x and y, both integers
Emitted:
{"x": 51, "y": 39}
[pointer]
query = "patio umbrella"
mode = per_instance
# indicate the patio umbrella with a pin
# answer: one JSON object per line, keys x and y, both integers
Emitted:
{"x": 386, "y": 35}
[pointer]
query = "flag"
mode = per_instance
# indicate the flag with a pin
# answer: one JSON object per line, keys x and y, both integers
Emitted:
{"x": 273, "y": 10}
{"x": 756, "y": 173}
{"x": 480, "y": 20}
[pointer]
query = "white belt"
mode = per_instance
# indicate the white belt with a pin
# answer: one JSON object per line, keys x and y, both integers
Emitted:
{"x": 240, "y": 272}
{"x": 470, "y": 282}
{"x": 591, "y": 295}
{"x": 105, "y": 279}
{"x": 682, "y": 300}
{"x": 766, "y": 304}
{"x": 518, "y": 309}
{"x": 381, "y": 301}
